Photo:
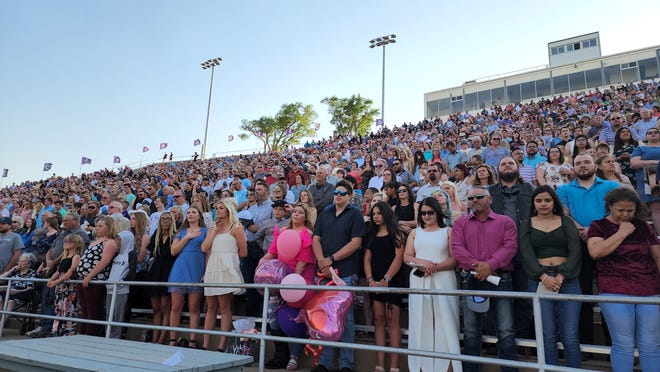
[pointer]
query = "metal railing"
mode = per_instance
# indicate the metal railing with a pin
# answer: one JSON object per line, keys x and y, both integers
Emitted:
{"x": 263, "y": 337}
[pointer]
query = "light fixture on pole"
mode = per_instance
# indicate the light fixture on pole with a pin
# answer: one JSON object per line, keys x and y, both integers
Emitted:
{"x": 382, "y": 42}
{"x": 211, "y": 63}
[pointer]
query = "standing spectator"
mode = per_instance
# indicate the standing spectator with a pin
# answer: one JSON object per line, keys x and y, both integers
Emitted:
{"x": 298, "y": 186}
{"x": 533, "y": 159}
{"x": 159, "y": 248}
{"x": 627, "y": 253}
{"x": 383, "y": 259}
{"x": 484, "y": 176}
{"x": 180, "y": 201}
{"x": 95, "y": 265}
{"x": 378, "y": 179}
{"x": 307, "y": 200}
{"x": 624, "y": 145}
{"x": 643, "y": 158}
{"x": 118, "y": 271}
{"x": 485, "y": 243}
{"x": 188, "y": 268}
{"x": 66, "y": 298}
{"x": 584, "y": 201}
{"x": 262, "y": 210}
{"x": 642, "y": 126}
{"x": 495, "y": 150}
{"x": 527, "y": 173}
{"x": 433, "y": 320}
{"x": 405, "y": 211}
{"x": 224, "y": 243}
{"x": 337, "y": 237}
{"x": 433, "y": 184}
{"x": 555, "y": 172}
{"x": 454, "y": 157}
{"x": 512, "y": 197}
{"x": 403, "y": 175}
{"x": 551, "y": 255}
{"x": 11, "y": 245}
{"x": 321, "y": 190}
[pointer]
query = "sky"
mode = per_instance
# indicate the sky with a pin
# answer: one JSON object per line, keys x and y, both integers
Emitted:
{"x": 104, "y": 78}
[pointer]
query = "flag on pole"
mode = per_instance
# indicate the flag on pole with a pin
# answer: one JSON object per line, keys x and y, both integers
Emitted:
{"x": 230, "y": 138}
{"x": 289, "y": 131}
{"x": 85, "y": 161}
{"x": 116, "y": 159}
{"x": 317, "y": 126}
{"x": 163, "y": 145}
{"x": 145, "y": 149}
{"x": 47, "y": 166}
{"x": 379, "y": 122}
{"x": 4, "y": 172}
{"x": 260, "y": 134}
{"x": 197, "y": 142}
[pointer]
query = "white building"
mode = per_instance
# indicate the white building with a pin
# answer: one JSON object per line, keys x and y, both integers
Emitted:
{"x": 568, "y": 71}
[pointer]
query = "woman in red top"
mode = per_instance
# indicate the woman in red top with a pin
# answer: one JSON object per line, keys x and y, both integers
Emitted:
{"x": 627, "y": 254}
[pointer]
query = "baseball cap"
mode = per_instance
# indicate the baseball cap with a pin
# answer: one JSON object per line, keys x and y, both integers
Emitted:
{"x": 5, "y": 221}
{"x": 478, "y": 304}
{"x": 279, "y": 203}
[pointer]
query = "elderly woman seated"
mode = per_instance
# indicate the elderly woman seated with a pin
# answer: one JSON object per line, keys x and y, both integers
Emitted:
{"x": 21, "y": 291}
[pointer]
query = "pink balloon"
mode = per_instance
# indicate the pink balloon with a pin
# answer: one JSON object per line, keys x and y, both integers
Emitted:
{"x": 293, "y": 295}
{"x": 288, "y": 245}
{"x": 271, "y": 272}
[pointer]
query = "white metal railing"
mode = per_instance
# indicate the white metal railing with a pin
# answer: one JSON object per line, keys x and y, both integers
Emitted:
{"x": 263, "y": 337}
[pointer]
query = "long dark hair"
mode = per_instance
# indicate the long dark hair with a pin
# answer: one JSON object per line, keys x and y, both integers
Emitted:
{"x": 575, "y": 148}
{"x": 556, "y": 204}
{"x": 391, "y": 223}
{"x": 618, "y": 142}
{"x": 435, "y": 205}
{"x": 625, "y": 194}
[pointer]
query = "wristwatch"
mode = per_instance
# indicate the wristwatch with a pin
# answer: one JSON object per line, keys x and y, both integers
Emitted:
{"x": 332, "y": 258}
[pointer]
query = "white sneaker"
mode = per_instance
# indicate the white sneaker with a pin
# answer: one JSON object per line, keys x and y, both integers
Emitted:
{"x": 34, "y": 331}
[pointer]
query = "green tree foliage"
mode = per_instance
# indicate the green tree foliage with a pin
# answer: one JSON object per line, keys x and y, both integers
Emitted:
{"x": 352, "y": 116}
{"x": 293, "y": 122}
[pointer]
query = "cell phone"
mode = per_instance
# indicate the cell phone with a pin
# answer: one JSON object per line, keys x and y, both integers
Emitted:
{"x": 415, "y": 265}
{"x": 418, "y": 273}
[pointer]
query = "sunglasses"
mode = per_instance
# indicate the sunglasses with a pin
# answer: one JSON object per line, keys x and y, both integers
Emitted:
{"x": 432, "y": 170}
{"x": 478, "y": 197}
{"x": 427, "y": 213}
{"x": 401, "y": 191}
{"x": 380, "y": 166}
{"x": 342, "y": 193}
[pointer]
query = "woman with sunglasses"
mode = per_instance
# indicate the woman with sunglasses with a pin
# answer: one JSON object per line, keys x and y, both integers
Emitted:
{"x": 433, "y": 320}
{"x": 405, "y": 211}
{"x": 495, "y": 151}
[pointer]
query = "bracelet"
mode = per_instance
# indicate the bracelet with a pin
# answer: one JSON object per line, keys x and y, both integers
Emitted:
{"x": 370, "y": 279}
{"x": 387, "y": 278}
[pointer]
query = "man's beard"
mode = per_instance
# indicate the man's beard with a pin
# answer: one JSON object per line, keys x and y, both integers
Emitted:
{"x": 585, "y": 176}
{"x": 510, "y": 176}
{"x": 433, "y": 177}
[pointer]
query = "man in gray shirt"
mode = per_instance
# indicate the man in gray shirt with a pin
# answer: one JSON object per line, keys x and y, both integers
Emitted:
{"x": 11, "y": 245}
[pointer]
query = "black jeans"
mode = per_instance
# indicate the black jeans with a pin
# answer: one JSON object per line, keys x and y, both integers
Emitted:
{"x": 248, "y": 268}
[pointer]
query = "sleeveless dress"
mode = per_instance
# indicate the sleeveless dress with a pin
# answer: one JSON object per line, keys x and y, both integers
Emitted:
{"x": 433, "y": 320}
{"x": 66, "y": 301}
{"x": 223, "y": 265}
{"x": 383, "y": 253}
{"x": 189, "y": 264}
{"x": 160, "y": 268}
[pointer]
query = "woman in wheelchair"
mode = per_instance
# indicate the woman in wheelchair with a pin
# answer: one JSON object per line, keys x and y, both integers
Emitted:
{"x": 21, "y": 292}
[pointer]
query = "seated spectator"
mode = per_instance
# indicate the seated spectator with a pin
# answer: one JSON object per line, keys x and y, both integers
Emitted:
{"x": 21, "y": 291}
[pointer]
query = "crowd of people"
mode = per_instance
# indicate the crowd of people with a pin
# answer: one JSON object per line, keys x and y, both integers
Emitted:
{"x": 542, "y": 196}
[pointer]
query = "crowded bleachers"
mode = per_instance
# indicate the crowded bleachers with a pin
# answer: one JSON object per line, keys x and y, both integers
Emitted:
{"x": 569, "y": 150}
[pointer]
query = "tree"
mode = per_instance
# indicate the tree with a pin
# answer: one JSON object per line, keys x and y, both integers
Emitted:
{"x": 352, "y": 116}
{"x": 292, "y": 123}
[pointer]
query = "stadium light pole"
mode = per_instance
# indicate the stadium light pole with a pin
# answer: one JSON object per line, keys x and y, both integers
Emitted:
{"x": 382, "y": 42}
{"x": 211, "y": 63}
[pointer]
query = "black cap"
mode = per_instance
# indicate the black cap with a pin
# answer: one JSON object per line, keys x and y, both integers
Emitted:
{"x": 279, "y": 203}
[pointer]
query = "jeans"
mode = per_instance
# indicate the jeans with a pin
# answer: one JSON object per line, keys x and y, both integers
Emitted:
{"x": 346, "y": 356}
{"x": 501, "y": 310}
{"x": 562, "y": 316}
{"x": 630, "y": 325}
{"x": 248, "y": 267}
{"x": 47, "y": 307}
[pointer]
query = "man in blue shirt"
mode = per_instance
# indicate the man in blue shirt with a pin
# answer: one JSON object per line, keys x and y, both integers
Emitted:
{"x": 583, "y": 200}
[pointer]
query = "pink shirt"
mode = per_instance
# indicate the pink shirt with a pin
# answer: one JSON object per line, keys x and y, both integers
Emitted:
{"x": 494, "y": 241}
{"x": 304, "y": 255}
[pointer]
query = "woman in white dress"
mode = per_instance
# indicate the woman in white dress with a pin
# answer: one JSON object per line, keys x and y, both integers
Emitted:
{"x": 428, "y": 248}
{"x": 225, "y": 242}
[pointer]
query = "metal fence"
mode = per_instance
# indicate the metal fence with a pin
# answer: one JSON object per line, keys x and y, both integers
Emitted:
{"x": 536, "y": 298}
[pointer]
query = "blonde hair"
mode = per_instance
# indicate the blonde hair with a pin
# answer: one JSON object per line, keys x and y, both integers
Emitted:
{"x": 159, "y": 232}
{"x": 230, "y": 206}
{"x": 111, "y": 227}
{"x": 141, "y": 223}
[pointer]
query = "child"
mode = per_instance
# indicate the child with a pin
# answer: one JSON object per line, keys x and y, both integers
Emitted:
{"x": 65, "y": 293}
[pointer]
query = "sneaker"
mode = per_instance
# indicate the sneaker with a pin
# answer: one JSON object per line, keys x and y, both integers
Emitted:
{"x": 34, "y": 332}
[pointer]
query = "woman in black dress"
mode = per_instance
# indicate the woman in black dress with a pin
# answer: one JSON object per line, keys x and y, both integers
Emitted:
{"x": 383, "y": 259}
{"x": 159, "y": 248}
{"x": 405, "y": 211}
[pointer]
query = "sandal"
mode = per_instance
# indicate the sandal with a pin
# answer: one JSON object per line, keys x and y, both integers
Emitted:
{"x": 293, "y": 364}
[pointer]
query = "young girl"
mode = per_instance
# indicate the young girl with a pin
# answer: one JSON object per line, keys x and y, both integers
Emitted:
{"x": 65, "y": 293}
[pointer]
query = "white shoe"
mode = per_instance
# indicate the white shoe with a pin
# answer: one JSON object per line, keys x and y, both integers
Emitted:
{"x": 34, "y": 331}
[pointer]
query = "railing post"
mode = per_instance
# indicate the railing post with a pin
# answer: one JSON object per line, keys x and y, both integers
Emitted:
{"x": 264, "y": 326}
{"x": 111, "y": 310}
{"x": 538, "y": 328}
{"x": 4, "y": 307}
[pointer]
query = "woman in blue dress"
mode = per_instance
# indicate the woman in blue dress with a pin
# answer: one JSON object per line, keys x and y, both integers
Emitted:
{"x": 645, "y": 159}
{"x": 188, "y": 268}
